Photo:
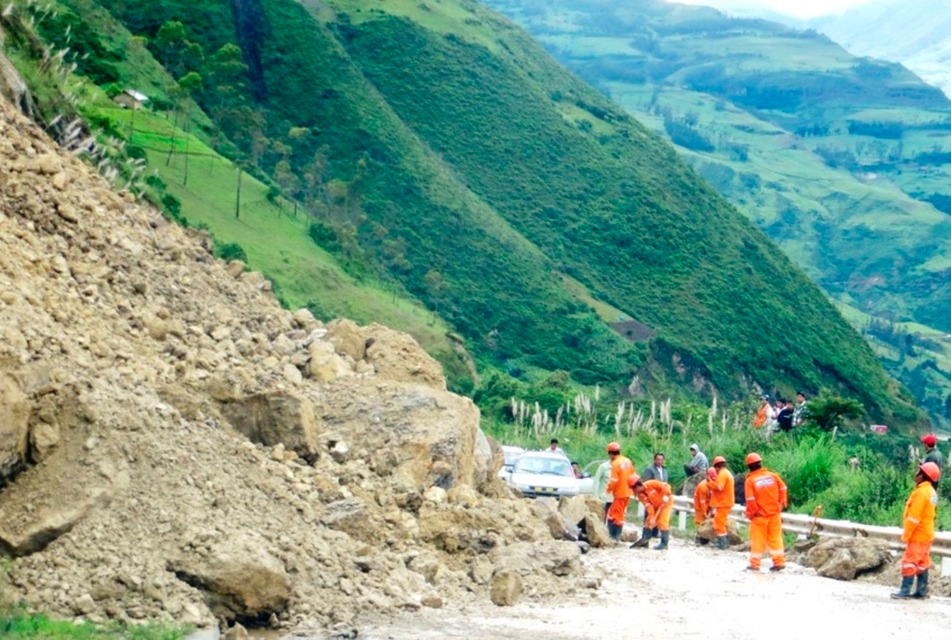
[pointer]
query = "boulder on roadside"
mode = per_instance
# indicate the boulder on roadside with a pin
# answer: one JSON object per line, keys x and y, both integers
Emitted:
{"x": 846, "y": 558}
{"x": 238, "y": 576}
{"x": 596, "y": 532}
{"x": 705, "y": 532}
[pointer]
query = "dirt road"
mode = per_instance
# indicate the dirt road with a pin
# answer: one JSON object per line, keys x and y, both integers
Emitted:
{"x": 685, "y": 593}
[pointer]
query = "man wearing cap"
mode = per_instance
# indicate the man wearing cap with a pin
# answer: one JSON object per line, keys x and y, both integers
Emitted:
{"x": 932, "y": 454}
{"x": 765, "y": 500}
{"x": 697, "y": 464}
{"x": 619, "y": 486}
{"x": 701, "y": 498}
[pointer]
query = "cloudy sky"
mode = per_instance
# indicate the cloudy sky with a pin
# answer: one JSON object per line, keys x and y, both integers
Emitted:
{"x": 798, "y": 8}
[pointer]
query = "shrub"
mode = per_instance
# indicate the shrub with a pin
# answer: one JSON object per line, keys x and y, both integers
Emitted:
{"x": 231, "y": 251}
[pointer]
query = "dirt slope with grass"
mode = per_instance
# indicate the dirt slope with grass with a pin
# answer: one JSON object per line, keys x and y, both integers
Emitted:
{"x": 175, "y": 446}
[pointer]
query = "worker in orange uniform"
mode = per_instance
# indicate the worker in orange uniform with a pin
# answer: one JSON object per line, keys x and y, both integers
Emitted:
{"x": 657, "y": 498}
{"x": 722, "y": 499}
{"x": 619, "y": 486}
{"x": 701, "y": 497}
{"x": 765, "y": 500}
{"x": 918, "y": 534}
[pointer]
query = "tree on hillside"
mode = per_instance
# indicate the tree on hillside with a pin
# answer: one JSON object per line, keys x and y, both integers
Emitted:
{"x": 175, "y": 51}
{"x": 828, "y": 411}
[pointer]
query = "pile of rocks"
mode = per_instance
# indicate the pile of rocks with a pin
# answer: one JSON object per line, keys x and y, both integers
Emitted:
{"x": 175, "y": 445}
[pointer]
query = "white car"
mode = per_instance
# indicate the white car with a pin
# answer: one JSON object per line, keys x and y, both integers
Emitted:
{"x": 510, "y": 455}
{"x": 543, "y": 474}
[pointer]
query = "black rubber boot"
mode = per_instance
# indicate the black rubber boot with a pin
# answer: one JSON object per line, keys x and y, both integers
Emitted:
{"x": 664, "y": 539}
{"x": 922, "y": 591}
{"x": 614, "y": 530}
{"x": 721, "y": 542}
{"x": 905, "y": 590}
{"x": 644, "y": 541}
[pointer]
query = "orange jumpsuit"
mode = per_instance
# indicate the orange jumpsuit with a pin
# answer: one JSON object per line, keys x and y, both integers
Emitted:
{"x": 619, "y": 486}
{"x": 918, "y": 521}
{"x": 701, "y": 503}
{"x": 765, "y": 500}
{"x": 656, "y": 497}
{"x": 761, "y": 414}
{"x": 722, "y": 499}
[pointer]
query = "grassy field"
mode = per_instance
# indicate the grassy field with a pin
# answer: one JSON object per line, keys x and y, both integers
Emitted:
{"x": 274, "y": 239}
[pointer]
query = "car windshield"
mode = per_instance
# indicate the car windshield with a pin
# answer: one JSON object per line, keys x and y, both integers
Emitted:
{"x": 546, "y": 466}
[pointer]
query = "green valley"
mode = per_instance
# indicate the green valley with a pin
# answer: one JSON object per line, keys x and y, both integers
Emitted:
{"x": 845, "y": 162}
{"x": 428, "y": 165}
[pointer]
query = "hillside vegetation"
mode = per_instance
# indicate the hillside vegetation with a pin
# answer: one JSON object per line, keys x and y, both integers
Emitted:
{"x": 494, "y": 187}
{"x": 843, "y": 161}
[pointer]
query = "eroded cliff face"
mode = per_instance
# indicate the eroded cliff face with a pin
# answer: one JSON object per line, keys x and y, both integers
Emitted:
{"x": 175, "y": 445}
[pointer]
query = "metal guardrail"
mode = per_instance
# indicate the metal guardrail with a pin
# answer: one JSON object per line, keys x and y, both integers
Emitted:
{"x": 804, "y": 524}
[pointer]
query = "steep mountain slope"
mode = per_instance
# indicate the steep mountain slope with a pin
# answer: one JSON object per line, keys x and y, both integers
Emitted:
{"x": 841, "y": 160}
{"x": 439, "y": 146}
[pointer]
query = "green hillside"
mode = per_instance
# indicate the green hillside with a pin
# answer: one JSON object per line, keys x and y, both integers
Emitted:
{"x": 440, "y": 152}
{"x": 843, "y": 161}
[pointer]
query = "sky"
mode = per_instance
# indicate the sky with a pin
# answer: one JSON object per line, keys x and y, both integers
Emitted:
{"x": 798, "y": 8}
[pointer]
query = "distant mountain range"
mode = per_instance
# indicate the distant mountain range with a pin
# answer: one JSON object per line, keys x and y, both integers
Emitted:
{"x": 916, "y": 33}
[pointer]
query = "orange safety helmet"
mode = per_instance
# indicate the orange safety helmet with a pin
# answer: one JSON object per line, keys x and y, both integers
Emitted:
{"x": 711, "y": 474}
{"x": 614, "y": 447}
{"x": 931, "y": 471}
{"x": 929, "y": 440}
{"x": 633, "y": 480}
{"x": 752, "y": 458}
{"x": 718, "y": 460}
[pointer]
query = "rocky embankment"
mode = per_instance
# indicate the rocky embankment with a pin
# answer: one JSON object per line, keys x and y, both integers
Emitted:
{"x": 174, "y": 445}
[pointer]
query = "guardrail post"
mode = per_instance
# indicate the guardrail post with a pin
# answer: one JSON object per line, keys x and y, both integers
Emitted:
{"x": 682, "y": 520}
{"x": 945, "y": 566}
{"x": 640, "y": 510}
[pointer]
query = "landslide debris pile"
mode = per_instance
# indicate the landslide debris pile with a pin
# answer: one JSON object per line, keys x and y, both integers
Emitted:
{"x": 175, "y": 445}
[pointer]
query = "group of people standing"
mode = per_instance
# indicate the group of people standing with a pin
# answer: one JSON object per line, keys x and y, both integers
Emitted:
{"x": 781, "y": 416}
{"x": 765, "y": 491}
{"x": 765, "y": 496}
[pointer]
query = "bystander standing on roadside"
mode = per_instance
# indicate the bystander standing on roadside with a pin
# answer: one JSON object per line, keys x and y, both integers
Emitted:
{"x": 932, "y": 453}
{"x": 784, "y": 419}
{"x": 601, "y": 477}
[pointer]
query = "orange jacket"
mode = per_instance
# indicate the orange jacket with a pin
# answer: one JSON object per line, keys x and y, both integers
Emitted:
{"x": 919, "y": 514}
{"x": 765, "y": 494}
{"x": 655, "y": 495}
{"x": 721, "y": 490}
{"x": 621, "y": 471}
{"x": 761, "y": 414}
{"x": 701, "y": 498}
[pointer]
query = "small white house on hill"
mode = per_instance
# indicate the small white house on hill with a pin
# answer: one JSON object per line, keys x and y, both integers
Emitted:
{"x": 131, "y": 99}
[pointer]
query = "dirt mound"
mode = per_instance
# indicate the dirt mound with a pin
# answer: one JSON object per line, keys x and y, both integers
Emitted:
{"x": 175, "y": 445}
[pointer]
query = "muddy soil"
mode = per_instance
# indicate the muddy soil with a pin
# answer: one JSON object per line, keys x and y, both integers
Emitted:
{"x": 684, "y": 593}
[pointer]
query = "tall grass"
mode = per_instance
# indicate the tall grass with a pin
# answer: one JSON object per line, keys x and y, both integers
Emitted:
{"x": 815, "y": 465}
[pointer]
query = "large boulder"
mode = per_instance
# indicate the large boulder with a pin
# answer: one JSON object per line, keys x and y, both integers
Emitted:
{"x": 596, "y": 532}
{"x": 557, "y": 558}
{"x": 276, "y": 418}
{"x": 415, "y": 434}
{"x": 14, "y": 427}
{"x": 397, "y": 356}
{"x": 238, "y": 576}
{"x": 706, "y": 533}
{"x": 846, "y": 558}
